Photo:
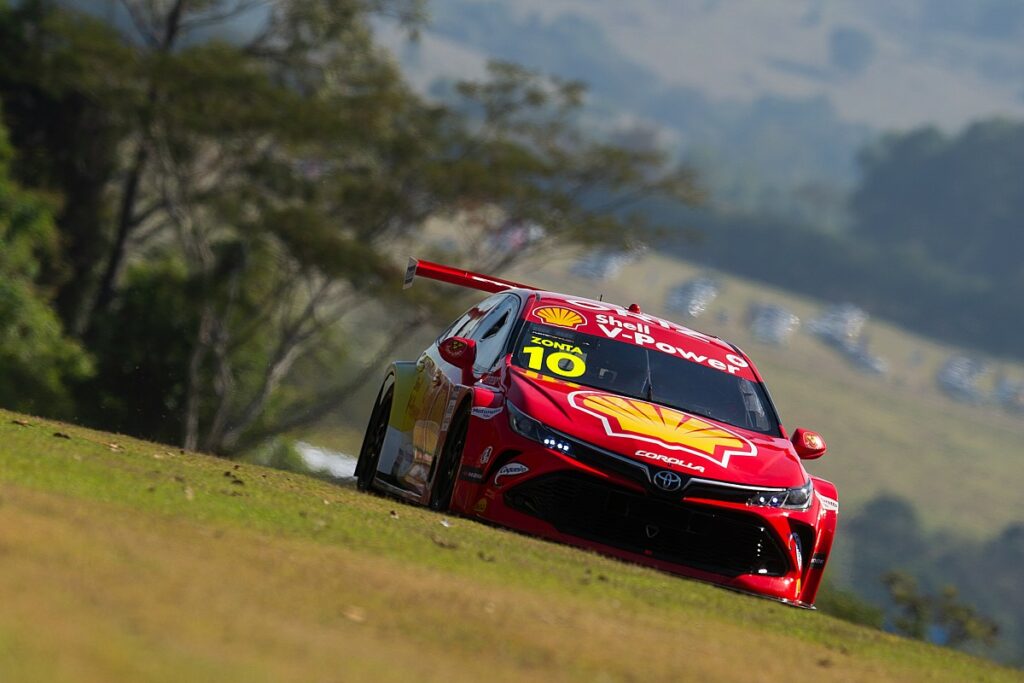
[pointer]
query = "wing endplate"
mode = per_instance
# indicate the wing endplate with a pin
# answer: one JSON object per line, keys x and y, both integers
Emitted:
{"x": 457, "y": 276}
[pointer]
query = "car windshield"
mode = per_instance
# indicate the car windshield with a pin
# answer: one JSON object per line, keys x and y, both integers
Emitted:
{"x": 647, "y": 374}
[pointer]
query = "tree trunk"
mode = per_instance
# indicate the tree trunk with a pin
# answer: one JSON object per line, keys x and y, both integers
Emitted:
{"x": 193, "y": 389}
{"x": 125, "y": 222}
{"x": 331, "y": 400}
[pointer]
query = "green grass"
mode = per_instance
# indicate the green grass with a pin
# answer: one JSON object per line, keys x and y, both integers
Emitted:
{"x": 126, "y": 560}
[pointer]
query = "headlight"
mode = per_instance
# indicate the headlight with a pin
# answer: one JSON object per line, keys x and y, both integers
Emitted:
{"x": 789, "y": 499}
{"x": 525, "y": 426}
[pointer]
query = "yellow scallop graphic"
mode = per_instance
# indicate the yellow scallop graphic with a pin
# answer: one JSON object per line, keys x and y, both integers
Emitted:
{"x": 671, "y": 429}
{"x": 562, "y": 317}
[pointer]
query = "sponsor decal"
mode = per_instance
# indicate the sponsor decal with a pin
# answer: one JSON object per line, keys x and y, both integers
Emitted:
{"x": 828, "y": 503}
{"x": 455, "y": 348}
{"x": 449, "y": 410}
{"x": 651, "y": 530}
{"x": 568, "y": 363}
{"x": 813, "y": 441}
{"x": 512, "y": 469}
{"x": 612, "y": 310}
{"x": 485, "y": 413}
{"x": 485, "y": 457}
{"x": 560, "y": 316}
{"x": 481, "y": 506}
{"x": 650, "y": 455}
{"x": 556, "y": 344}
{"x": 640, "y": 334}
{"x": 474, "y": 474}
{"x": 629, "y": 418}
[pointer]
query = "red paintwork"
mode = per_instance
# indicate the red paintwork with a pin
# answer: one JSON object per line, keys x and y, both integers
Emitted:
{"x": 724, "y": 453}
{"x": 809, "y": 445}
{"x": 461, "y": 353}
{"x": 458, "y": 276}
{"x": 772, "y": 463}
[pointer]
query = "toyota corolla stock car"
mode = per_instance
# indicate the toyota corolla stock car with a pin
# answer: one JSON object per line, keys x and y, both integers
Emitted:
{"x": 603, "y": 427}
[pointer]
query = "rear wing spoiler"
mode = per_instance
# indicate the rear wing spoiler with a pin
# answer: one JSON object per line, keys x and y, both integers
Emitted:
{"x": 457, "y": 276}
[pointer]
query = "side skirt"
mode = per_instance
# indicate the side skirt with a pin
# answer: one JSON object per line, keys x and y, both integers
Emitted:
{"x": 393, "y": 490}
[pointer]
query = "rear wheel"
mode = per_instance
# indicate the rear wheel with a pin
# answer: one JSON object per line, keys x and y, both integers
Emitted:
{"x": 448, "y": 467}
{"x": 376, "y": 430}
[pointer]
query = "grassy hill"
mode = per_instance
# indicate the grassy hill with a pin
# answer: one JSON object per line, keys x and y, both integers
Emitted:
{"x": 127, "y": 560}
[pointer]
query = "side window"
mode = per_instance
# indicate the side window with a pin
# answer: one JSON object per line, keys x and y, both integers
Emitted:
{"x": 491, "y": 334}
{"x": 757, "y": 417}
{"x": 464, "y": 326}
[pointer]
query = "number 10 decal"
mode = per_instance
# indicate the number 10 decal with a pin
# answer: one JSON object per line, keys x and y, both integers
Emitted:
{"x": 559, "y": 362}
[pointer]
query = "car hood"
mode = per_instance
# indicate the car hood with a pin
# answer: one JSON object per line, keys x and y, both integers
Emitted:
{"x": 656, "y": 435}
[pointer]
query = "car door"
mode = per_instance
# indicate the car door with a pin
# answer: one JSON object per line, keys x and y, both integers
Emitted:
{"x": 491, "y": 333}
{"x": 432, "y": 399}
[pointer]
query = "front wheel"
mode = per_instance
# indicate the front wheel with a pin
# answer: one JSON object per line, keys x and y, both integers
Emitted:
{"x": 376, "y": 430}
{"x": 448, "y": 468}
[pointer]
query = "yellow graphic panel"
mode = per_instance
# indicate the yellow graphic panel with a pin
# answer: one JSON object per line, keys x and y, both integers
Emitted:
{"x": 635, "y": 419}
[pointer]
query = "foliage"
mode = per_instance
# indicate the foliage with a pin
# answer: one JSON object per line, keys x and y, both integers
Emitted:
{"x": 914, "y": 616}
{"x": 958, "y": 199}
{"x": 231, "y": 206}
{"x": 920, "y": 569}
{"x": 924, "y": 286}
{"x": 846, "y": 605}
{"x": 36, "y": 360}
{"x": 918, "y": 613}
{"x": 280, "y": 454}
{"x": 70, "y": 88}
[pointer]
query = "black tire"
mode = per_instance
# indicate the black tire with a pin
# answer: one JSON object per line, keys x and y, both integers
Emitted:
{"x": 376, "y": 430}
{"x": 448, "y": 467}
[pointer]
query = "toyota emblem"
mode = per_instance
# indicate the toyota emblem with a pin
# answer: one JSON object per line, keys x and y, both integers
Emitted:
{"x": 668, "y": 481}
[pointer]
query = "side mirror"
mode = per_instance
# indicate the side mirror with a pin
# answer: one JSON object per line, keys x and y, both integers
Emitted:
{"x": 461, "y": 353}
{"x": 809, "y": 445}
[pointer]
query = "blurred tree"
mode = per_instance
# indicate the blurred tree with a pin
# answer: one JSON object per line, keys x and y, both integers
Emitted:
{"x": 36, "y": 360}
{"x": 961, "y": 624}
{"x": 919, "y": 613}
{"x": 959, "y": 199}
{"x": 846, "y": 605}
{"x": 914, "y": 608}
{"x": 71, "y": 90}
{"x": 886, "y": 522}
{"x": 261, "y": 187}
{"x": 887, "y": 533}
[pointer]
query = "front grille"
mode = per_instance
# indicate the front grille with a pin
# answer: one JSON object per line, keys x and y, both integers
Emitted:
{"x": 721, "y": 541}
{"x": 611, "y": 462}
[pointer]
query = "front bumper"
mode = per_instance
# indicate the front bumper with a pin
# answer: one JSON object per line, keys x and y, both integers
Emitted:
{"x": 603, "y": 504}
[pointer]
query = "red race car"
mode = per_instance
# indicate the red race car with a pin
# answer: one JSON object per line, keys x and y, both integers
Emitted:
{"x": 603, "y": 427}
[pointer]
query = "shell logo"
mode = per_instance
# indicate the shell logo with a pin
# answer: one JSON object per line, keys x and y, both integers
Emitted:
{"x": 630, "y": 418}
{"x": 561, "y": 317}
{"x": 813, "y": 441}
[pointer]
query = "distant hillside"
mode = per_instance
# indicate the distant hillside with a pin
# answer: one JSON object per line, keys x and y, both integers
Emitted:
{"x": 883, "y": 64}
{"x": 766, "y": 98}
